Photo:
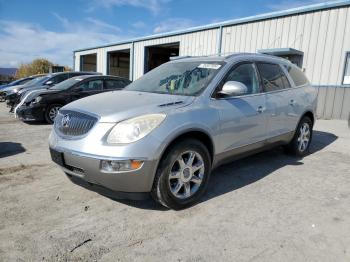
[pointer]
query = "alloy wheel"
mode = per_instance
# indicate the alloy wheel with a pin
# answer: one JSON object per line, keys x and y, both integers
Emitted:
{"x": 304, "y": 137}
{"x": 53, "y": 112}
{"x": 186, "y": 175}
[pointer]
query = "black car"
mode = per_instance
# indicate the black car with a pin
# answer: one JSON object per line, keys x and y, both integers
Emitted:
{"x": 13, "y": 96}
{"x": 43, "y": 105}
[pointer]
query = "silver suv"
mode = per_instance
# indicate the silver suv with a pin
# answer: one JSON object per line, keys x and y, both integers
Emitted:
{"x": 164, "y": 133}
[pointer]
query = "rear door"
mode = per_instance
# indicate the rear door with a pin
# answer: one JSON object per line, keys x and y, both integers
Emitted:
{"x": 242, "y": 118}
{"x": 296, "y": 95}
{"x": 276, "y": 86}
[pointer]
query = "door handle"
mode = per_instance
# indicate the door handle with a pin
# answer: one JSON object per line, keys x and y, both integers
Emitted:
{"x": 260, "y": 109}
{"x": 292, "y": 102}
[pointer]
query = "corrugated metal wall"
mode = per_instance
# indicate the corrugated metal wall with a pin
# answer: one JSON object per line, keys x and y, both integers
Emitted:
{"x": 333, "y": 102}
{"x": 323, "y": 36}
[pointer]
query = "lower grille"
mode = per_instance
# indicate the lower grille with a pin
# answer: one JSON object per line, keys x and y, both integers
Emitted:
{"x": 72, "y": 124}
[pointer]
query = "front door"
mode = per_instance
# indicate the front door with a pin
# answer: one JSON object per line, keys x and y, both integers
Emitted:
{"x": 87, "y": 88}
{"x": 243, "y": 119}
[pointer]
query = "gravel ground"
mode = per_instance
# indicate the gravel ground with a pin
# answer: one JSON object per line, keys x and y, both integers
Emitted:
{"x": 267, "y": 207}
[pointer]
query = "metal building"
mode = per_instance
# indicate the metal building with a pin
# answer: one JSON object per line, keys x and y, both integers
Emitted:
{"x": 315, "y": 37}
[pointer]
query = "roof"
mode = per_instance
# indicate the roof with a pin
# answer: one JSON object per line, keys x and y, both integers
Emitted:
{"x": 230, "y": 57}
{"x": 280, "y": 51}
{"x": 8, "y": 71}
{"x": 271, "y": 15}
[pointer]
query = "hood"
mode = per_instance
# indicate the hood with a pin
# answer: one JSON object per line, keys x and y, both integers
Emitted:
{"x": 10, "y": 89}
{"x": 119, "y": 105}
{"x": 31, "y": 94}
{"x": 31, "y": 88}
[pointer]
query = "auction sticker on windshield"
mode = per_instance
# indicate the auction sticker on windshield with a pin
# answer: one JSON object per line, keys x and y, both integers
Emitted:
{"x": 210, "y": 66}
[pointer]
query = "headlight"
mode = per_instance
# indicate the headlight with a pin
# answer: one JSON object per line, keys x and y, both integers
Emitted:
{"x": 134, "y": 129}
{"x": 15, "y": 90}
{"x": 37, "y": 99}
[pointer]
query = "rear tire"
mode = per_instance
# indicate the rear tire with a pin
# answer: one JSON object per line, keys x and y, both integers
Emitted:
{"x": 182, "y": 175}
{"x": 300, "y": 144}
{"x": 51, "y": 113}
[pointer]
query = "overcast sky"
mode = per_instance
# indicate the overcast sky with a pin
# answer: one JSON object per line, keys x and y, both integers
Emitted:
{"x": 53, "y": 29}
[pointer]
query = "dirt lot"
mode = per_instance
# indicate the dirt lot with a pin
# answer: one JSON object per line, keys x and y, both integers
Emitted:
{"x": 268, "y": 207}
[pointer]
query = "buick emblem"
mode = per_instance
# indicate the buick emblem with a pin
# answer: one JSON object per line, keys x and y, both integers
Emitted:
{"x": 65, "y": 121}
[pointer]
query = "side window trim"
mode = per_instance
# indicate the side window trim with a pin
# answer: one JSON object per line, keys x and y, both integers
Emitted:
{"x": 229, "y": 71}
{"x": 285, "y": 75}
{"x": 289, "y": 78}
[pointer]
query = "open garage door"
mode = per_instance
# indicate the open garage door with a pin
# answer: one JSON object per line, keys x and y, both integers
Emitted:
{"x": 88, "y": 63}
{"x": 118, "y": 63}
{"x": 160, "y": 54}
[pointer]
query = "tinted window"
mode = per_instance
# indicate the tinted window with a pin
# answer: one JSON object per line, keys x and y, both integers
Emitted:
{"x": 66, "y": 83}
{"x": 272, "y": 76}
{"x": 298, "y": 77}
{"x": 59, "y": 78}
{"x": 114, "y": 84}
{"x": 93, "y": 85}
{"x": 23, "y": 81}
{"x": 246, "y": 74}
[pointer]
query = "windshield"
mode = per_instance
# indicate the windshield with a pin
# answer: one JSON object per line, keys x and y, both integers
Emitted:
{"x": 66, "y": 84}
{"x": 17, "y": 82}
{"x": 179, "y": 78}
{"x": 38, "y": 80}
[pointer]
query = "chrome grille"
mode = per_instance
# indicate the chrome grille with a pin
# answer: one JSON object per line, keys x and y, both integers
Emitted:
{"x": 71, "y": 124}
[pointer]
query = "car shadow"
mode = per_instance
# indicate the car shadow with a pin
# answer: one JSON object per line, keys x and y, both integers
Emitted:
{"x": 10, "y": 149}
{"x": 245, "y": 171}
{"x": 36, "y": 123}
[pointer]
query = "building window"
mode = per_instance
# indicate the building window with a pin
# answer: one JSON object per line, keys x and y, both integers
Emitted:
{"x": 346, "y": 79}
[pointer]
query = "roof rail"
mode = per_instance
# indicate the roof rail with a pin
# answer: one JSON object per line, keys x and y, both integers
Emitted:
{"x": 172, "y": 58}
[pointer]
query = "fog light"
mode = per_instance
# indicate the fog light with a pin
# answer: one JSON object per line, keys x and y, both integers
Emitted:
{"x": 111, "y": 166}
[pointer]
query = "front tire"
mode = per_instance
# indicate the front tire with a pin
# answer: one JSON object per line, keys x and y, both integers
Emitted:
{"x": 51, "y": 113}
{"x": 300, "y": 144}
{"x": 182, "y": 175}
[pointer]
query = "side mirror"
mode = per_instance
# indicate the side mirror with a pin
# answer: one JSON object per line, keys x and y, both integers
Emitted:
{"x": 233, "y": 88}
{"x": 49, "y": 83}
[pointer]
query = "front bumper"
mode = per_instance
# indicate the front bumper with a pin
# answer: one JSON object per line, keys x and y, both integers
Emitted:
{"x": 106, "y": 191}
{"x": 2, "y": 96}
{"x": 85, "y": 170}
{"x": 31, "y": 113}
{"x": 82, "y": 159}
{"x": 12, "y": 99}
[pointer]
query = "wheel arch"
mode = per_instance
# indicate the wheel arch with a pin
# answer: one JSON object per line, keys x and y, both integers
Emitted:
{"x": 309, "y": 114}
{"x": 197, "y": 134}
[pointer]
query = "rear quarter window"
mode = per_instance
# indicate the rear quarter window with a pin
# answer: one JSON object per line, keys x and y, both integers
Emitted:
{"x": 272, "y": 77}
{"x": 297, "y": 75}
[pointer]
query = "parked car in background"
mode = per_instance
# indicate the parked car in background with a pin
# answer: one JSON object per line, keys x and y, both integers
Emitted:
{"x": 13, "y": 97}
{"x": 14, "y": 84}
{"x": 43, "y": 105}
{"x": 167, "y": 130}
{"x": 21, "y": 81}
